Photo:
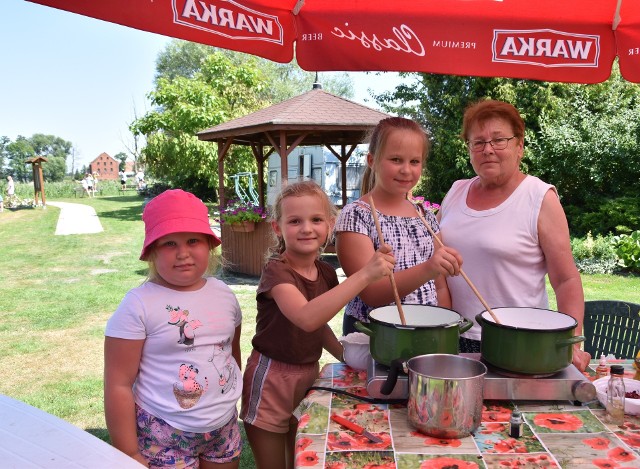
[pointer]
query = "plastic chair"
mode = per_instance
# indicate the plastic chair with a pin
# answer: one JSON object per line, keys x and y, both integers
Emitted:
{"x": 612, "y": 327}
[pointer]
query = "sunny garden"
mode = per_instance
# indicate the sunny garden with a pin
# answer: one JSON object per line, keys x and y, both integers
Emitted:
{"x": 57, "y": 293}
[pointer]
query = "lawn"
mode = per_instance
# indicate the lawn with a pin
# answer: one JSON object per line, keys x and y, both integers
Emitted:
{"x": 57, "y": 293}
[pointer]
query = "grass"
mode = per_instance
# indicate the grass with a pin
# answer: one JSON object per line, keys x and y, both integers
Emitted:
{"x": 57, "y": 292}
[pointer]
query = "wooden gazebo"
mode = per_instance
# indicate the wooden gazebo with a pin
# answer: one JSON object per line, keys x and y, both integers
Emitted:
{"x": 313, "y": 118}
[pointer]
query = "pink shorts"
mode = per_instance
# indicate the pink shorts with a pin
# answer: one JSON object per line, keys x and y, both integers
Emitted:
{"x": 272, "y": 390}
{"x": 165, "y": 446}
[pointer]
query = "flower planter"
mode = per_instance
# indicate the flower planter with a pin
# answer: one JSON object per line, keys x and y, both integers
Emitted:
{"x": 243, "y": 227}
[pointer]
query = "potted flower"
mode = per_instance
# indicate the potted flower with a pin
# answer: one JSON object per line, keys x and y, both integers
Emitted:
{"x": 242, "y": 216}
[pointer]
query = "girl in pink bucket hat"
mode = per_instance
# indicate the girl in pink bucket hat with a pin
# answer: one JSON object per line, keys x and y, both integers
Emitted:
{"x": 172, "y": 348}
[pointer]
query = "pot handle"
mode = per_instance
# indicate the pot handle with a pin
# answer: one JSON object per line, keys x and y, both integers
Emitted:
{"x": 395, "y": 367}
{"x": 465, "y": 325}
{"x": 364, "y": 329}
{"x": 572, "y": 340}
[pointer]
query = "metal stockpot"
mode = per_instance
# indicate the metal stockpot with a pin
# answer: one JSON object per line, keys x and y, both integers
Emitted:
{"x": 445, "y": 394}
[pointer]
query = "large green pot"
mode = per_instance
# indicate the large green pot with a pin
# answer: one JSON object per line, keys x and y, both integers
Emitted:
{"x": 530, "y": 341}
{"x": 428, "y": 329}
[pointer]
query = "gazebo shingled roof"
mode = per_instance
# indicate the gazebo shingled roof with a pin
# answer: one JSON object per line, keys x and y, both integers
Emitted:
{"x": 328, "y": 119}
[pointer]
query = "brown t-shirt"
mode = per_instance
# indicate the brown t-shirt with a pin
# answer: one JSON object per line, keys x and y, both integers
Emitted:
{"x": 278, "y": 338}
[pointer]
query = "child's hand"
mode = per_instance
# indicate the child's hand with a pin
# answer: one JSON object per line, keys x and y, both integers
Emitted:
{"x": 381, "y": 264}
{"x": 446, "y": 261}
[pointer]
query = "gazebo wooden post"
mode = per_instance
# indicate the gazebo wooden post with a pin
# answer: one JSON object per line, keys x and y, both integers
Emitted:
{"x": 343, "y": 157}
{"x": 258, "y": 153}
{"x": 221, "y": 199}
{"x": 284, "y": 158}
{"x": 223, "y": 149}
{"x": 343, "y": 173}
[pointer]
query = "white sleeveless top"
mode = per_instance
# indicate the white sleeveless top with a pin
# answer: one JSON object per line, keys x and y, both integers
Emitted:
{"x": 500, "y": 250}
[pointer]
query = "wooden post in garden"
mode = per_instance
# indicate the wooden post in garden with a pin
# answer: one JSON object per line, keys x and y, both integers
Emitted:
{"x": 38, "y": 180}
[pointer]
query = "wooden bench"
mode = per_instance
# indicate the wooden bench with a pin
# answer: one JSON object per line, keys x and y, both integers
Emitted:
{"x": 127, "y": 187}
{"x": 79, "y": 192}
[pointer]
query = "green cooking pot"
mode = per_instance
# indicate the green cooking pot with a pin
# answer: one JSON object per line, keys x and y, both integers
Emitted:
{"x": 529, "y": 341}
{"x": 428, "y": 329}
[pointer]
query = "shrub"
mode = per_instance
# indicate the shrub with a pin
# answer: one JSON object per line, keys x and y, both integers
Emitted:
{"x": 594, "y": 255}
{"x": 627, "y": 248}
{"x": 152, "y": 190}
{"x": 605, "y": 216}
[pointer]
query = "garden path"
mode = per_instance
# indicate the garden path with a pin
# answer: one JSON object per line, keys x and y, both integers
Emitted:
{"x": 76, "y": 219}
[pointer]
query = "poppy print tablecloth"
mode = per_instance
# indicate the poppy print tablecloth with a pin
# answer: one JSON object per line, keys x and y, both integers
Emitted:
{"x": 555, "y": 434}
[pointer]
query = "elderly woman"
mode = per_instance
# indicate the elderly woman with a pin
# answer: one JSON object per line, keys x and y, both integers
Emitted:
{"x": 509, "y": 227}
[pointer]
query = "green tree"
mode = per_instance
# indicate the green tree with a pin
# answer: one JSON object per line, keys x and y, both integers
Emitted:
{"x": 184, "y": 59}
{"x": 56, "y": 150}
{"x": 4, "y": 141}
{"x": 122, "y": 158}
{"x": 17, "y": 154}
{"x": 589, "y": 143}
{"x": 197, "y": 87}
{"x": 218, "y": 92}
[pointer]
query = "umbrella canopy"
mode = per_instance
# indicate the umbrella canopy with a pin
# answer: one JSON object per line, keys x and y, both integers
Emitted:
{"x": 567, "y": 41}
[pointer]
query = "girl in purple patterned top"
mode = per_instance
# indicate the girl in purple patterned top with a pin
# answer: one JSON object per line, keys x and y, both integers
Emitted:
{"x": 398, "y": 149}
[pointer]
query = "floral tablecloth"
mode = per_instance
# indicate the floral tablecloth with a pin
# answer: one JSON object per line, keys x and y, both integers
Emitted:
{"x": 555, "y": 434}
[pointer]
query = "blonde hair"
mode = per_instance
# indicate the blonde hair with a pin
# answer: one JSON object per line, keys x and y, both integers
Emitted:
{"x": 378, "y": 139}
{"x": 215, "y": 261}
{"x": 299, "y": 189}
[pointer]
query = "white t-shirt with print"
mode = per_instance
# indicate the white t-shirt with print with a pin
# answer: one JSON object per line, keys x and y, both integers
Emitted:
{"x": 187, "y": 375}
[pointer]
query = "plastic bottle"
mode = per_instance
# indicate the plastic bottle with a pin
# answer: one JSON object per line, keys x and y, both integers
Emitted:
{"x": 615, "y": 396}
{"x": 602, "y": 369}
{"x": 515, "y": 424}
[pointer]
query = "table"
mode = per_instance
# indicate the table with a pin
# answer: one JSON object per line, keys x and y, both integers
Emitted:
{"x": 555, "y": 434}
{"x": 32, "y": 438}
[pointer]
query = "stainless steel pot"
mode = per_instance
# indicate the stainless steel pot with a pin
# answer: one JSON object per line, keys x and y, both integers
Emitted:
{"x": 445, "y": 394}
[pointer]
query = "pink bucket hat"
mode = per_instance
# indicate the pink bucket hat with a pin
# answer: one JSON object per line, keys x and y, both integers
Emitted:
{"x": 174, "y": 211}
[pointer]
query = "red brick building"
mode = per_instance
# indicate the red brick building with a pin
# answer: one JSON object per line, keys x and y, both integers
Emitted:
{"x": 106, "y": 166}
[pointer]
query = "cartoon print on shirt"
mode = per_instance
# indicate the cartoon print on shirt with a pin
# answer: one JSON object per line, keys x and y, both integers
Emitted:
{"x": 187, "y": 389}
{"x": 227, "y": 378}
{"x": 179, "y": 317}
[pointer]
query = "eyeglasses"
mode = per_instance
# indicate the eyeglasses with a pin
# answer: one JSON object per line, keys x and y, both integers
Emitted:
{"x": 496, "y": 143}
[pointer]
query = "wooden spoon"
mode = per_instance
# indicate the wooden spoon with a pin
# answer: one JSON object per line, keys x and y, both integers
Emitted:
{"x": 391, "y": 277}
{"x": 464, "y": 276}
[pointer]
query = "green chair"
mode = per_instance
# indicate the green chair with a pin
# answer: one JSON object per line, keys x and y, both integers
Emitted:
{"x": 612, "y": 327}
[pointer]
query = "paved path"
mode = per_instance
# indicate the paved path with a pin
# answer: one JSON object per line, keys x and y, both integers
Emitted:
{"x": 76, "y": 219}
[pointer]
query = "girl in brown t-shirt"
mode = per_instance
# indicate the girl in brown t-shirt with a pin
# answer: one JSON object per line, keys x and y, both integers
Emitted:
{"x": 297, "y": 296}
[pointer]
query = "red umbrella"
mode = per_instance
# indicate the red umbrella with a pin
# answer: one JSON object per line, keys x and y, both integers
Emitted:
{"x": 628, "y": 41}
{"x": 551, "y": 40}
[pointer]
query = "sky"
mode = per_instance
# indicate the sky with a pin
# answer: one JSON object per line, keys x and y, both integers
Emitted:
{"x": 84, "y": 80}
